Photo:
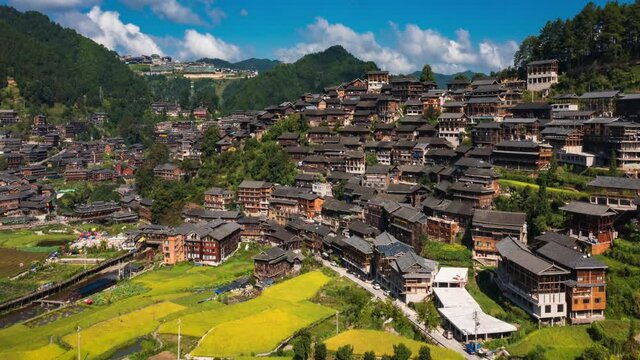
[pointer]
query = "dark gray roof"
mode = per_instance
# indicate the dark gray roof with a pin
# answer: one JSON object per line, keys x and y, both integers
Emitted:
{"x": 519, "y": 144}
{"x": 270, "y": 254}
{"x": 359, "y": 244}
{"x": 580, "y": 207}
{"x": 560, "y": 239}
{"x": 542, "y": 62}
{"x": 470, "y": 162}
{"x": 599, "y": 94}
{"x": 514, "y": 251}
{"x": 405, "y": 262}
{"x": 569, "y": 258}
{"x": 501, "y": 218}
{"x": 616, "y": 182}
{"x": 254, "y": 184}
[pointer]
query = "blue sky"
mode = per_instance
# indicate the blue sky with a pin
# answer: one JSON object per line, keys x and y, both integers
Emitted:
{"x": 399, "y": 36}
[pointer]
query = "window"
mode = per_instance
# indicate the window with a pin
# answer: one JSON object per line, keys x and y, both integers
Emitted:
{"x": 560, "y": 307}
{"x": 586, "y": 301}
{"x": 597, "y": 300}
{"x": 547, "y": 309}
{"x": 601, "y": 288}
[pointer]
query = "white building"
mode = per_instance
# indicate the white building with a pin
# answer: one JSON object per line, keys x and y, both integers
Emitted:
{"x": 542, "y": 74}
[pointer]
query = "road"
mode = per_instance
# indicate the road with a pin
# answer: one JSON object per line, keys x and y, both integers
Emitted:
{"x": 52, "y": 156}
{"x": 435, "y": 335}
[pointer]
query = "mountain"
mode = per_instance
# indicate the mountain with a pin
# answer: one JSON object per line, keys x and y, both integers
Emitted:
{"x": 249, "y": 64}
{"x": 52, "y": 65}
{"x": 443, "y": 79}
{"x": 287, "y": 82}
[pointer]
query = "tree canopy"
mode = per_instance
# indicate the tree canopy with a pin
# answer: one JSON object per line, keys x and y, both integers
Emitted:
{"x": 595, "y": 48}
{"x": 427, "y": 74}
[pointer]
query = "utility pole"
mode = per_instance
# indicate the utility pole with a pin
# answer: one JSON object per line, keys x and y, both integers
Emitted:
{"x": 337, "y": 322}
{"x": 179, "y": 321}
{"x": 78, "y": 331}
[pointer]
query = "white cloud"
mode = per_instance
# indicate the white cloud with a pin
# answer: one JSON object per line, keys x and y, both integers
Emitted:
{"x": 106, "y": 28}
{"x": 498, "y": 56}
{"x": 452, "y": 55}
{"x": 413, "y": 48}
{"x": 244, "y": 12}
{"x": 50, "y": 4}
{"x": 216, "y": 15}
{"x": 321, "y": 35}
{"x": 198, "y": 45}
{"x": 171, "y": 10}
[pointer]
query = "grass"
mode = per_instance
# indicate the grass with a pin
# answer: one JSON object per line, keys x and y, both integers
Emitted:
{"x": 27, "y": 238}
{"x": 447, "y": 254}
{"x": 50, "y": 351}
{"x": 277, "y": 314}
{"x": 139, "y": 67}
{"x": 485, "y": 292}
{"x": 571, "y": 194}
{"x": 566, "y": 342}
{"x": 618, "y": 329}
{"x": 113, "y": 333}
{"x": 10, "y": 289}
{"x": 382, "y": 343}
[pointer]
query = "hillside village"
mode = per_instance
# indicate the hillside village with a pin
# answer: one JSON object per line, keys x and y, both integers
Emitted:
{"x": 417, "y": 194}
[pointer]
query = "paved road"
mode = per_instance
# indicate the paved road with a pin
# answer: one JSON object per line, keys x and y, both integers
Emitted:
{"x": 435, "y": 335}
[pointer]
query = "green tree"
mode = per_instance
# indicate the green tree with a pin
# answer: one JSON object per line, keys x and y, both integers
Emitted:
{"x": 320, "y": 352}
{"x": 3, "y": 163}
{"x": 371, "y": 159}
{"x": 428, "y": 314}
{"x": 401, "y": 352}
{"x": 369, "y": 355}
{"x": 461, "y": 76}
{"x": 344, "y": 352}
{"x": 613, "y": 163}
{"x": 427, "y": 74}
{"x": 424, "y": 353}
{"x": 595, "y": 352}
{"x": 209, "y": 141}
{"x": 299, "y": 351}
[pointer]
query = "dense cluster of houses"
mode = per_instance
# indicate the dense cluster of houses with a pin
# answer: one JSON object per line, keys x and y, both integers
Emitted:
{"x": 387, "y": 163}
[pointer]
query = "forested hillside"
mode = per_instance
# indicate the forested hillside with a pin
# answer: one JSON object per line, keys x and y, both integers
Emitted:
{"x": 288, "y": 81}
{"x": 598, "y": 49}
{"x": 248, "y": 64}
{"x": 56, "y": 66}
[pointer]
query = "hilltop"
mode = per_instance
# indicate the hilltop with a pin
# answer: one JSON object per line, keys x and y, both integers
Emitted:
{"x": 55, "y": 66}
{"x": 597, "y": 49}
{"x": 248, "y": 64}
{"x": 443, "y": 79}
{"x": 285, "y": 82}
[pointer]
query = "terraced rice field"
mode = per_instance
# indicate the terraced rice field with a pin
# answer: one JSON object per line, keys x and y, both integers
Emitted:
{"x": 277, "y": 314}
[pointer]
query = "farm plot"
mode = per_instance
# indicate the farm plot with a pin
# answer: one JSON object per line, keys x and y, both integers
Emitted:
{"x": 382, "y": 343}
{"x": 180, "y": 286}
{"x": 113, "y": 333}
{"x": 13, "y": 262}
{"x": 277, "y": 314}
{"x": 50, "y": 351}
{"x": 567, "y": 342}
